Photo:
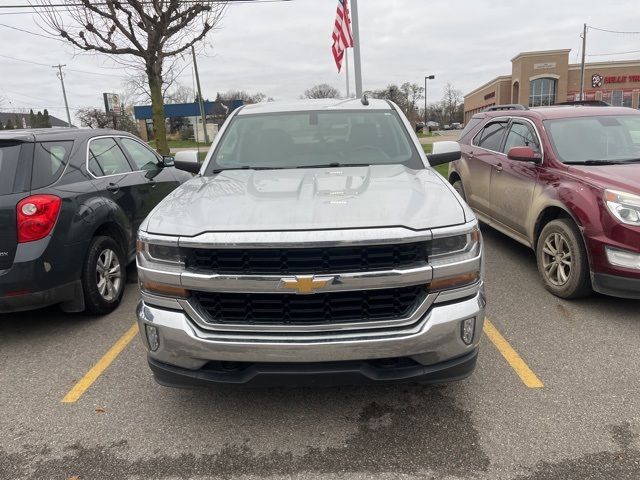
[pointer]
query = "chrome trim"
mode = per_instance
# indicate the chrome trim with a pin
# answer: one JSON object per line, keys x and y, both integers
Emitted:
{"x": 196, "y": 313}
{"x": 343, "y": 282}
{"x": 305, "y": 239}
{"x": 160, "y": 301}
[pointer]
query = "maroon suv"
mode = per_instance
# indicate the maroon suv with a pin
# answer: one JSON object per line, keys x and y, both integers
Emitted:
{"x": 565, "y": 181}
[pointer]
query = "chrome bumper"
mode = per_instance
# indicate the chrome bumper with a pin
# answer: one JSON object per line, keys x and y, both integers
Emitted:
{"x": 434, "y": 338}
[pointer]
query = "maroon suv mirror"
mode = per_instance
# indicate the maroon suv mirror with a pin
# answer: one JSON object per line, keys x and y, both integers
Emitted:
{"x": 523, "y": 154}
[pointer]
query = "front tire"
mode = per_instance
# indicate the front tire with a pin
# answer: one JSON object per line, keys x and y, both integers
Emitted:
{"x": 562, "y": 260}
{"x": 103, "y": 276}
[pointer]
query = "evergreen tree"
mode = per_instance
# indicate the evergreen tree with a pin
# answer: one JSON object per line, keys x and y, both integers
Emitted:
{"x": 1, "y": 126}
{"x": 16, "y": 122}
{"x": 46, "y": 121}
{"x": 9, "y": 125}
{"x": 39, "y": 120}
{"x": 32, "y": 119}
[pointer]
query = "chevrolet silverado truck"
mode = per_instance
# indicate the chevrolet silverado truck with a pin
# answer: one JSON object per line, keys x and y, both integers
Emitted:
{"x": 315, "y": 244}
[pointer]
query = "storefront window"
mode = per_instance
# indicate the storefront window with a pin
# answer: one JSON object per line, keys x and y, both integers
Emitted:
{"x": 616, "y": 98}
{"x": 542, "y": 91}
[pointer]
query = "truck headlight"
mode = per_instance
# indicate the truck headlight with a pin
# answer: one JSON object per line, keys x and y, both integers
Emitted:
{"x": 159, "y": 252}
{"x": 460, "y": 250}
{"x": 624, "y": 206}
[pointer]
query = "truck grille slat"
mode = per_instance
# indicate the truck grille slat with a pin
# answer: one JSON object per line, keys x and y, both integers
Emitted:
{"x": 330, "y": 307}
{"x": 307, "y": 261}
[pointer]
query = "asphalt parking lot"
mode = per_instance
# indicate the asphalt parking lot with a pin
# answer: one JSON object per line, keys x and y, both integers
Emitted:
{"x": 559, "y": 400}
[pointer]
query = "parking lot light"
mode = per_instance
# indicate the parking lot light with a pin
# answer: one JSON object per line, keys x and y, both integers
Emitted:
{"x": 152, "y": 337}
{"x": 467, "y": 330}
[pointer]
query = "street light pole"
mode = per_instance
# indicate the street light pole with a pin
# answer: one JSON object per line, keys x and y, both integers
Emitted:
{"x": 426, "y": 116}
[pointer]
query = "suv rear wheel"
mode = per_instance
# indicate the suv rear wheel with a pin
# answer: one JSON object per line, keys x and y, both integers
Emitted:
{"x": 457, "y": 186}
{"x": 562, "y": 260}
{"x": 103, "y": 276}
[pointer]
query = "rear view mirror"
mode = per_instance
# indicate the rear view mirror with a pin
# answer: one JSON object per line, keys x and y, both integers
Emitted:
{"x": 444, "y": 152}
{"x": 187, "y": 161}
{"x": 523, "y": 154}
{"x": 167, "y": 161}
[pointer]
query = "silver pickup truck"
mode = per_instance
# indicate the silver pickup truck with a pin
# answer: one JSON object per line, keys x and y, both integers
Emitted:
{"x": 316, "y": 244}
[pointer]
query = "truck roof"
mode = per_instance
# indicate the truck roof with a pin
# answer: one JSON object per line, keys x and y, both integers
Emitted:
{"x": 314, "y": 105}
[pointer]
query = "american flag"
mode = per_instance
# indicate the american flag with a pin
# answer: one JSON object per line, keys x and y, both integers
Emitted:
{"x": 342, "y": 38}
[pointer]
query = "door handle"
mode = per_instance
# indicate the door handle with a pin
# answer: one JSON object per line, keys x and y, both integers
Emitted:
{"x": 113, "y": 188}
{"x": 499, "y": 167}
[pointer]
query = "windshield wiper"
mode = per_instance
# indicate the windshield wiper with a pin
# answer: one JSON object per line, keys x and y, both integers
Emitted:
{"x": 604, "y": 162}
{"x": 335, "y": 164}
{"x": 244, "y": 167}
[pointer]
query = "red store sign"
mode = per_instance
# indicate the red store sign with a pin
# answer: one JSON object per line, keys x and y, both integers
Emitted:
{"x": 622, "y": 79}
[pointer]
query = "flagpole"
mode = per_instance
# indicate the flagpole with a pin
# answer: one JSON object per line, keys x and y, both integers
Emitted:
{"x": 356, "y": 47}
{"x": 346, "y": 69}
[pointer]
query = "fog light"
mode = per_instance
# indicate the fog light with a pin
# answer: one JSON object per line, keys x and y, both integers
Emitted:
{"x": 468, "y": 328}
{"x": 623, "y": 258}
{"x": 152, "y": 337}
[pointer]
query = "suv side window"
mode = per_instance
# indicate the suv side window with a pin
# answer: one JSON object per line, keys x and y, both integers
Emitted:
{"x": 106, "y": 158}
{"x": 521, "y": 135}
{"x": 49, "y": 161}
{"x": 144, "y": 158}
{"x": 490, "y": 137}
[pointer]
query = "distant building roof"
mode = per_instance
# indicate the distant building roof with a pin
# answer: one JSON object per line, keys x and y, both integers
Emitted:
{"x": 143, "y": 112}
{"x": 6, "y": 116}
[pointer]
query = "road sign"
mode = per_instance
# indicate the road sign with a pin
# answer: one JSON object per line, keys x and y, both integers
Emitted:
{"x": 112, "y": 103}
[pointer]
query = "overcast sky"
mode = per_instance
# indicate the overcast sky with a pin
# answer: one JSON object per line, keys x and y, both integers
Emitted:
{"x": 282, "y": 48}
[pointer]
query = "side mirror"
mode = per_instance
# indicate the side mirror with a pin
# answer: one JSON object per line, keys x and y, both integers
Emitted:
{"x": 187, "y": 161}
{"x": 444, "y": 152}
{"x": 167, "y": 161}
{"x": 523, "y": 154}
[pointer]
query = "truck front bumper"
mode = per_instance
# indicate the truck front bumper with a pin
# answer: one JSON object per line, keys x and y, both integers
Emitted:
{"x": 427, "y": 349}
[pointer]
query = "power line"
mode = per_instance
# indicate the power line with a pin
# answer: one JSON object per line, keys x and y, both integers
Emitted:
{"x": 612, "y": 31}
{"x": 65, "y": 5}
{"x": 49, "y": 37}
{"x": 68, "y": 69}
{"x": 611, "y": 54}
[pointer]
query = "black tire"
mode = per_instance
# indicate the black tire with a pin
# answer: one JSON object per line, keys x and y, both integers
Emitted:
{"x": 98, "y": 303}
{"x": 562, "y": 260}
{"x": 458, "y": 187}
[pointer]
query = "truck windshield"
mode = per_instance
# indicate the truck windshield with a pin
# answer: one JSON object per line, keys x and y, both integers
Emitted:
{"x": 315, "y": 139}
{"x": 9, "y": 156}
{"x": 596, "y": 140}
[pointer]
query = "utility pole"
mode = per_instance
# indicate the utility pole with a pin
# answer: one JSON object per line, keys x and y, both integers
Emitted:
{"x": 64, "y": 92}
{"x": 356, "y": 47}
{"x": 200, "y": 100}
{"x": 584, "y": 46}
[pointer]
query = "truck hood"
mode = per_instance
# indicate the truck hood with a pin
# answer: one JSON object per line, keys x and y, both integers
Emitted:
{"x": 617, "y": 177}
{"x": 308, "y": 199}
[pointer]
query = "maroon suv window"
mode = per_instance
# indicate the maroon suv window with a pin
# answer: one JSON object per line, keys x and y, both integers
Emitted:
{"x": 490, "y": 137}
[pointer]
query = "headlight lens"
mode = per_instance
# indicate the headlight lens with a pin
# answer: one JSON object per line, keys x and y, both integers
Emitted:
{"x": 454, "y": 248}
{"x": 624, "y": 206}
{"x": 160, "y": 253}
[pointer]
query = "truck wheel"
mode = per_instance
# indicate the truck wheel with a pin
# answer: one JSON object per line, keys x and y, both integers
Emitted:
{"x": 562, "y": 260}
{"x": 103, "y": 276}
{"x": 457, "y": 186}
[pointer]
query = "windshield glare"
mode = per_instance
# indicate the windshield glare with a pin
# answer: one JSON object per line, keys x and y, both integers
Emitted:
{"x": 315, "y": 139}
{"x": 604, "y": 138}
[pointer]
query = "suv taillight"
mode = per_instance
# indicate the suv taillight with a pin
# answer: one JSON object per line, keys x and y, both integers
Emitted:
{"x": 37, "y": 216}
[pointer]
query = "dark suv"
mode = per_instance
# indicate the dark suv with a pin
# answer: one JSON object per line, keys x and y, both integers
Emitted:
{"x": 71, "y": 202}
{"x": 564, "y": 181}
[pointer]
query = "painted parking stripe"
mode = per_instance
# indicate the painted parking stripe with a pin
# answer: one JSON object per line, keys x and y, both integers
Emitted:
{"x": 511, "y": 356}
{"x": 98, "y": 369}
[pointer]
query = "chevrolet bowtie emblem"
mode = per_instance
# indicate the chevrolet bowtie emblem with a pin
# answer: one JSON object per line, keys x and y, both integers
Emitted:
{"x": 305, "y": 283}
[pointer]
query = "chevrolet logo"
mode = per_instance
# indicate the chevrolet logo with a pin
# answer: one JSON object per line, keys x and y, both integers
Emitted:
{"x": 305, "y": 283}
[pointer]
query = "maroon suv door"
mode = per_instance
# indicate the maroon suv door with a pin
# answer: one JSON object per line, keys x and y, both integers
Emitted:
{"x": 513, "y": 182}
{"x": 481, "y": 157}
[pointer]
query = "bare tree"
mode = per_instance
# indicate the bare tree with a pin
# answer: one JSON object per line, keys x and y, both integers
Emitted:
{"x": 180, "y": 94}
{"x": 451, "y": 101}
{"x": 248, "y": 98}
{"x": 147, "y": 32}
{"x": 94, "y": 118}
{"x": 323, "y": 90}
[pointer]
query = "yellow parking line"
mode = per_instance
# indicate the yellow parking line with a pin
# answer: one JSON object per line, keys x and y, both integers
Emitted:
{"x": 92, "y": 375}
{"x": 511, "y": 356}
